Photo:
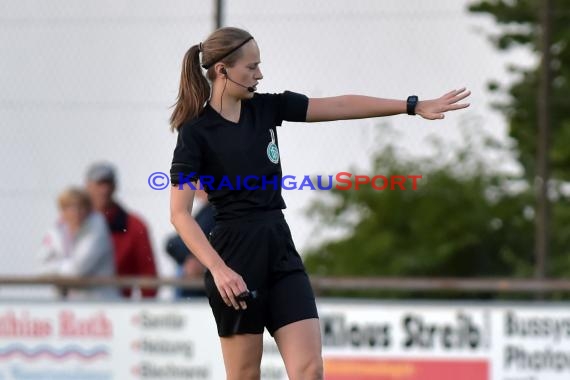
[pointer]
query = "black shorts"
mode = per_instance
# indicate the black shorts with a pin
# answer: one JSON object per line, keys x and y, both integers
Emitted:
{"x": 260, "y": 248}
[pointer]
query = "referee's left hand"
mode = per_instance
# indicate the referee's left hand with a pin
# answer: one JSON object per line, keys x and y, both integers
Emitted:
{"x": 230, "y": 285}
{"x": 436, "y": 108}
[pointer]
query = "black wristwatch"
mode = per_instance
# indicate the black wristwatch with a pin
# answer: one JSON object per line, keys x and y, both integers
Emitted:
{"x": 411, "y": 104}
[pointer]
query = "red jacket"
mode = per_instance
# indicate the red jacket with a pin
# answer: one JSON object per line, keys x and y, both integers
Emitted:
{"x": 133, "y": 251}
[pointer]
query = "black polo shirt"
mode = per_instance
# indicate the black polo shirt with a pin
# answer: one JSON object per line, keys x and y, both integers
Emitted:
{"x": 238, "y": 163}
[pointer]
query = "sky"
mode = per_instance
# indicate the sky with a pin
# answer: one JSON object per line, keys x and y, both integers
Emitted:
{"x": 87, "y": 81}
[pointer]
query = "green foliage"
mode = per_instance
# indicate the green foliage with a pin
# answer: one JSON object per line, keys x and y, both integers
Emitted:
{"x": 519, "y": 22}
{"x": 462, "y": 221}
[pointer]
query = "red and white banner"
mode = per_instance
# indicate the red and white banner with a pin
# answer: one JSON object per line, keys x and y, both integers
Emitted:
{"x": 361, "y": 341}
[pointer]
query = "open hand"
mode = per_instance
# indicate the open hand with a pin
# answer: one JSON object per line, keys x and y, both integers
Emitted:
{"x": 435, "y": 108}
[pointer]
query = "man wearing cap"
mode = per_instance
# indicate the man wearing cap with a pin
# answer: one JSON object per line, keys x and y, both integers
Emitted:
{"x": 133, "y": 251}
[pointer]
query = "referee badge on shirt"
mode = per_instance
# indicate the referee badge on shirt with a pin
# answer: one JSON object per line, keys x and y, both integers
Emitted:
{"x": 272, "y": 150}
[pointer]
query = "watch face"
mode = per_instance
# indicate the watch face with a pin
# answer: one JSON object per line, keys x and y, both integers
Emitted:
{"x": 411, "y": 104}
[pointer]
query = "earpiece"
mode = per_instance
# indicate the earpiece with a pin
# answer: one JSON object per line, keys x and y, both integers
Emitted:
{"x": 225, "y": 72}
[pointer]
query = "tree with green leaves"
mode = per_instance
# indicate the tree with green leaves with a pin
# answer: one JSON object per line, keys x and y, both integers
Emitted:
{"x": 469, "y": 222}
{"x": 463, "y": 220}
{"x": 520, "y": 26}
{"x": 543, "y": 27}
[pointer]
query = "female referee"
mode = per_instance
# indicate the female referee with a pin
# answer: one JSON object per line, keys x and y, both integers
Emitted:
{"x": 255, "y": 278}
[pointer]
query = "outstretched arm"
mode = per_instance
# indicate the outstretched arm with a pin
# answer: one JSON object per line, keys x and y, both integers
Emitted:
{"x": 360, "y": 107}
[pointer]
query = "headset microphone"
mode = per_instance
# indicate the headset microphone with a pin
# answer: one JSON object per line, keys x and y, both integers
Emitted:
{"x": 249, "y": 88}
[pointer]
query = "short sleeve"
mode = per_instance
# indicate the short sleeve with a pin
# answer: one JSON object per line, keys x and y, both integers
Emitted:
{"x": 186, "y": 158}
{"x": 290, "y": 106}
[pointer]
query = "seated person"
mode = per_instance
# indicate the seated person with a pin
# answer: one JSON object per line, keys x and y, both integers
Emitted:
{"x": 79, "y": 245}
